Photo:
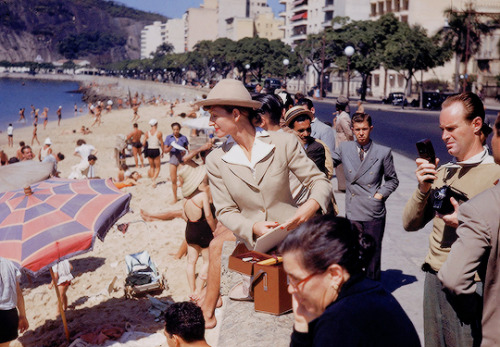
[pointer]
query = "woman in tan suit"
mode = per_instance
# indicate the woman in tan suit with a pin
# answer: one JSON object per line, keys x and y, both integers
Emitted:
{"x": 249, "y": 179}
{"x": 249, "y": 172}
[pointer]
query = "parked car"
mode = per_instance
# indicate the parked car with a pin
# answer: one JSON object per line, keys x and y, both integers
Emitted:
{"x": 271, "y": 84}
{"x": 431, "y": 100}
{"x": 396, "y": 99}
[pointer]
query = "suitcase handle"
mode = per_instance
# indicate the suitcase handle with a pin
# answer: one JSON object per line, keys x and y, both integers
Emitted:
{"x": 256, "y": 277}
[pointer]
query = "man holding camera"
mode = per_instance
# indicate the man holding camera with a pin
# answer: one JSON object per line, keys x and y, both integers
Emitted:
{"x": 477, "y": 249}
{"x": 471, "y": 172}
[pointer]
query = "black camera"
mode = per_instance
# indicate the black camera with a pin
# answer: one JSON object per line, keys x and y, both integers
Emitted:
{"x": 441, "y": 199}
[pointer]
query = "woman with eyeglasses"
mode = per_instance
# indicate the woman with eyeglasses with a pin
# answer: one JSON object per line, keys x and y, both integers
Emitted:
{"x": 334, "y": 304}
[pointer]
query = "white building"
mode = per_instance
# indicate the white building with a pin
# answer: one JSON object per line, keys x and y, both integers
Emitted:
{"x": 154, "y": 35}
{"x": 151, "y": 38}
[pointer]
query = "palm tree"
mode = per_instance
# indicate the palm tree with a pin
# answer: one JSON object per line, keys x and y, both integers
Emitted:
{"x": 462, "y": 34}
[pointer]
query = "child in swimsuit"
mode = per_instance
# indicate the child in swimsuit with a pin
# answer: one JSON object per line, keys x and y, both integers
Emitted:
{"x": 199, "y": 213}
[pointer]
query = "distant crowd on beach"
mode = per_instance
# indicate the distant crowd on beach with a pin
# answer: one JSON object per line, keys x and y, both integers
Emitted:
{"x": 267, "y": 164}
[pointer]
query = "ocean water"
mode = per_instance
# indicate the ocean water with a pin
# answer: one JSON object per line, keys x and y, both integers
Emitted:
{"x": 16, "y": 94}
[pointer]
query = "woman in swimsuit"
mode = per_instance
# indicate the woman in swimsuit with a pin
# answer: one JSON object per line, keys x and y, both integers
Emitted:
{"x": 199, "y": 213}
{"x": 45, "y": 114}
{"x": 154, "y": 153}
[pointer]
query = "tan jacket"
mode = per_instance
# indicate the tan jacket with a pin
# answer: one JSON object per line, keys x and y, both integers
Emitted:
{"x": 477, "y": 249}
{"x": 418, "y": 211}
{"x": 343, "y": 128}
{"x": 243, "y": 198}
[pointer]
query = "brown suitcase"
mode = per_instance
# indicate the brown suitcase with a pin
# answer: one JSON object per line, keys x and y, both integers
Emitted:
{"x": 241, "y": 252}
{"x": 270, "y": 290}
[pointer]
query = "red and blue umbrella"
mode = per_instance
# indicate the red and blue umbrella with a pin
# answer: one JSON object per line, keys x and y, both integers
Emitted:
{"x": 56, "y": 219}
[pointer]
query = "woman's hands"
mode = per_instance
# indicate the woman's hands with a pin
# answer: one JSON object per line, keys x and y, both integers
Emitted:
{"x": 303, "y": 213}
{"x": 261, "y": 228}
{"x": 301, "y": 316}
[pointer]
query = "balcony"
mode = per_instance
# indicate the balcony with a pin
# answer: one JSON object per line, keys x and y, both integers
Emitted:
{"x": 283, "y": 2}
{"x": 302, "y": 22}
{"x": 328, "y": 8}
{"x": 301, "y": 8}
{"x": 326, "y": 24}
{"x": 282, "y": 14}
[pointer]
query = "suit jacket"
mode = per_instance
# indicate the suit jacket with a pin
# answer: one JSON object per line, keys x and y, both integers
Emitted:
{"x": 243, "y": 198}
{"x": 320, "y": 130}
{"x": 477, "y": 249}
{"x": 364, "y": 179}
{"x": 316, "y": 152}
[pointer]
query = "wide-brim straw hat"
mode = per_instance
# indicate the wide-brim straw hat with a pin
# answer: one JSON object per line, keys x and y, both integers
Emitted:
{"x": 192, "y": 178}
{"x": 294, "y": 112}
{"x": 229, "y": 92}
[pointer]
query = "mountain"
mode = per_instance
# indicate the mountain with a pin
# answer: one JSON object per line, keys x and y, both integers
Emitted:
{"x": 96, "y": 30}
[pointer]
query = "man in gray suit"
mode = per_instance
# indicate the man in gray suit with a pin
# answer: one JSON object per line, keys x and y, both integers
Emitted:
{"x": 476, "y": 250}
{"x": 371, "y": 178}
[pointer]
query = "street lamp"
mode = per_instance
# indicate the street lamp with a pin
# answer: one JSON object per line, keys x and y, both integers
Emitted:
{"x": 247, "y": 67}
{"x": 348, "y": 51}
{"x": 286, "y": 62}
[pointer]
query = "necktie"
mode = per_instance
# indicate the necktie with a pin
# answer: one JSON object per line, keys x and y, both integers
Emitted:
{"x": 361, "y": 153}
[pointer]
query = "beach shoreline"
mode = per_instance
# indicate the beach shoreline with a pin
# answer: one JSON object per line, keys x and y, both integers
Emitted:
{"x": 93, "y": 299}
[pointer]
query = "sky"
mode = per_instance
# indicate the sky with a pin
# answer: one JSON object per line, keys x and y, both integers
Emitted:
{"x": 176, "y": 8}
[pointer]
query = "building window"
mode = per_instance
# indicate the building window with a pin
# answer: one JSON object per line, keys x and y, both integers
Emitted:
{"x": 391, "y": 80}
{"x": 397, "y": 6}
{"x": 406, "y": 5}
{"x": 401, "y": 80}
{"x": 376, "y": 80}
{"x": 388, "y": 5}
{"x": 404, "y": 19}
{"x": 381, "y": 8}
{"x": 374, "y": 10}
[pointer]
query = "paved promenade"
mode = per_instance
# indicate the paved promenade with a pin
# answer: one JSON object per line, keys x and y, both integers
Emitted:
{"x": 402, "y": 256}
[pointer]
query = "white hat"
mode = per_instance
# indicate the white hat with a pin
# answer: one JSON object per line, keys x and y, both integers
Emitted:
{"x": 47, "y": 141}
{"x": 153, "y": 121}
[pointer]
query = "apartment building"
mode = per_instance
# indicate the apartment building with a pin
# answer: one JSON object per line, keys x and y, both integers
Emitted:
{"x": 431, "y": 15}
{"x": 154, "y": 35}
{"x": 151, "y": 38}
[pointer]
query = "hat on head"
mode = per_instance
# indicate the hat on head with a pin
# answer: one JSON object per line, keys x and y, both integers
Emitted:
{"x": 342, "y": 101}
{"x": 294, "y": 112}
{"x": 153, "y": 121}
{"x": 229, "y": 92}
{"x": 192, "y": 177}
{"x": 47, "y": 141}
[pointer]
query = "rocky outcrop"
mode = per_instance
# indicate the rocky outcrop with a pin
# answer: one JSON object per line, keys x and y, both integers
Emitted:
{"x": 38, "y": 27}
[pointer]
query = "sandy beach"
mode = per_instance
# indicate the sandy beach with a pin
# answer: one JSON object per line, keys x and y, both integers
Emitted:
{"x": 96, "y": 298}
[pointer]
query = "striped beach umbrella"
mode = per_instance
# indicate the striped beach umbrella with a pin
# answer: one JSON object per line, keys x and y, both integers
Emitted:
{"x": 56, "y": 219}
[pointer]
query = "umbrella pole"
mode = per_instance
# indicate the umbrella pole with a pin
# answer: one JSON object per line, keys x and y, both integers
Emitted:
{"x": 63, "y": 315}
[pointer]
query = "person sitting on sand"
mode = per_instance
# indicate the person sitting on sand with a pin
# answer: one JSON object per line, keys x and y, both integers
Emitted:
{"x": 185, "y": 325}
{"x": 123, "y": 173}
{"x": 84, "y": 131}
{"x": 199, "y": 214}
{"x": 54, "y": 159}
{"x": 62, "y": 278}
{"x": 45, "y": 150}
{"x": 130, "y": 181}
{"x": 19, "y": 153}
{"x": 4, "y": 159}
{"x": 135, "y": 138}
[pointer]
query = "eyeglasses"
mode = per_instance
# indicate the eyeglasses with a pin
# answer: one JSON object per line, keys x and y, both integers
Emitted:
{"x": 304, "y": 130}
{"x": 296, "y": 285}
